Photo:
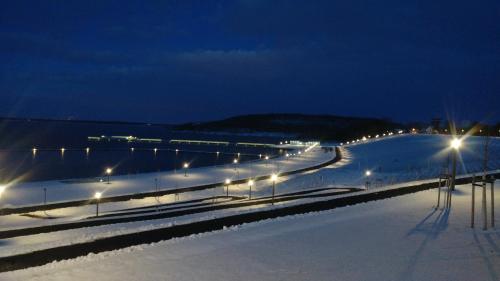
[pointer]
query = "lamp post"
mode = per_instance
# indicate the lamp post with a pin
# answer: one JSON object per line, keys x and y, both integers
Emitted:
{"x": 250, "y": 183}
{"x": 186, "y": 167}
{"x": 274, "y": 177}
{"x": 227, "y": 182}
{"x": 455, "y": 146}
{"x": 97, "y": 197}
{"x": 108, "y": 173}
{"x": 368, "y": 173}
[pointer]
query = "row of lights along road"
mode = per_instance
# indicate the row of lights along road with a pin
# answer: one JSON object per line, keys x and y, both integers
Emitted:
{"x": 273, "y": 178}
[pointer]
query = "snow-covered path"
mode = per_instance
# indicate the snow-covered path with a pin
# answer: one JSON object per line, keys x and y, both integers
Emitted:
{"x": 402, "y": 238}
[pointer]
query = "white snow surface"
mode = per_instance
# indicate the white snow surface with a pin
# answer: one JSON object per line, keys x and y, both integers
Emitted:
{"x": 393, "y": 160}
{"x": 402, "y": 238}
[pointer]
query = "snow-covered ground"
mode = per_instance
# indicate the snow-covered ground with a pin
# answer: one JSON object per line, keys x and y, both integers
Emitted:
{"x": 391, "y": 160}
{"x": 402, "y": 238}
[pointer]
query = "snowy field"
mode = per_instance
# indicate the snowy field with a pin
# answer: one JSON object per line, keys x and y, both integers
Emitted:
{"x": 393, "y": 161}
{"x": 402, "y": 238}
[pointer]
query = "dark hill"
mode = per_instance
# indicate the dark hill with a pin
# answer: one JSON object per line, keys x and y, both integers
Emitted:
{"x": 322, "y": 127}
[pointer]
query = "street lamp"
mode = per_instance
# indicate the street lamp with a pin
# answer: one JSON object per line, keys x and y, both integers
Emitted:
{"x": 186, "y": 167}
{"x": 108, "y": 172}
{"x": 455, "y": 146}
{"x": 97, "y": 197}
{"x": 250, "y": 183}
{"x": 368, "y": 173}
{"x": 274, "y": 177}
{"x": 227, "y": 182}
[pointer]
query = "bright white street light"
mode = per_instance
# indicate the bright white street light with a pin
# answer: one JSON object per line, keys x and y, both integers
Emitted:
{"x": 97, "y": 197}
{"x": 250, "y": 184}
{"x": 368, "y": 173}
{"x": 108, "y": 172}
{"x": 456, "y": 143}
{"x": 185, "y": 166}
{"x": 274, "y": 177}
{"x": 227, "y": 182}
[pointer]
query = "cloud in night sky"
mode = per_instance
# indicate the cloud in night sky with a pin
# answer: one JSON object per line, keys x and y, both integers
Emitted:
{"x": 174, "y": 61}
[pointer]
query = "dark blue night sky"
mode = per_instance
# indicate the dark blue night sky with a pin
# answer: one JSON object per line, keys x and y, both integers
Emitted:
{"x": 175, "y": 61}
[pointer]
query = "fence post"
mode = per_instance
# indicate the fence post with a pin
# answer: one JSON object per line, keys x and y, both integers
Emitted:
{"x": 473, "y": 200}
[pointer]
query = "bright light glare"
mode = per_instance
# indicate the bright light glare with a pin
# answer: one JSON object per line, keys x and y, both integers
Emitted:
{"x": 109, "y": 171}
{"x": 250, "y": 182}
{"x": 98, "y": 195}
{"x": 186, "y": 165}
{"x": 2, "y": 189}
{"x": 228, "y": 181}
{"x": 456, "y": 143}
{"x": 368, "y": 173}
{"x": 274, "y": 177}
{"x": 235, "y": 161}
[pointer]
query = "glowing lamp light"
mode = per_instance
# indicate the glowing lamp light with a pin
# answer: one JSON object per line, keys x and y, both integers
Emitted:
{"x": 98, "y": 195}
{"x": 274, "y": 177}
{"x": 2, "y": 189}
{"x": 155, "y": 150}
{"x": 368, "y": 173}
{"x": 34, "y": 151}
{"x": 186, "y": 165}
{"x": 267, "y": 157}
{"x": 63, "y": 149}
{"x": 132, "y": 149}
{"x": 87, "y": 150}
{"x": 227, "y": 181}
{"x": 109, "y": 171}
{"x": 456, "y": 143}
{"x": 235, "y": 161}
{"x": 250, "y": 182}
